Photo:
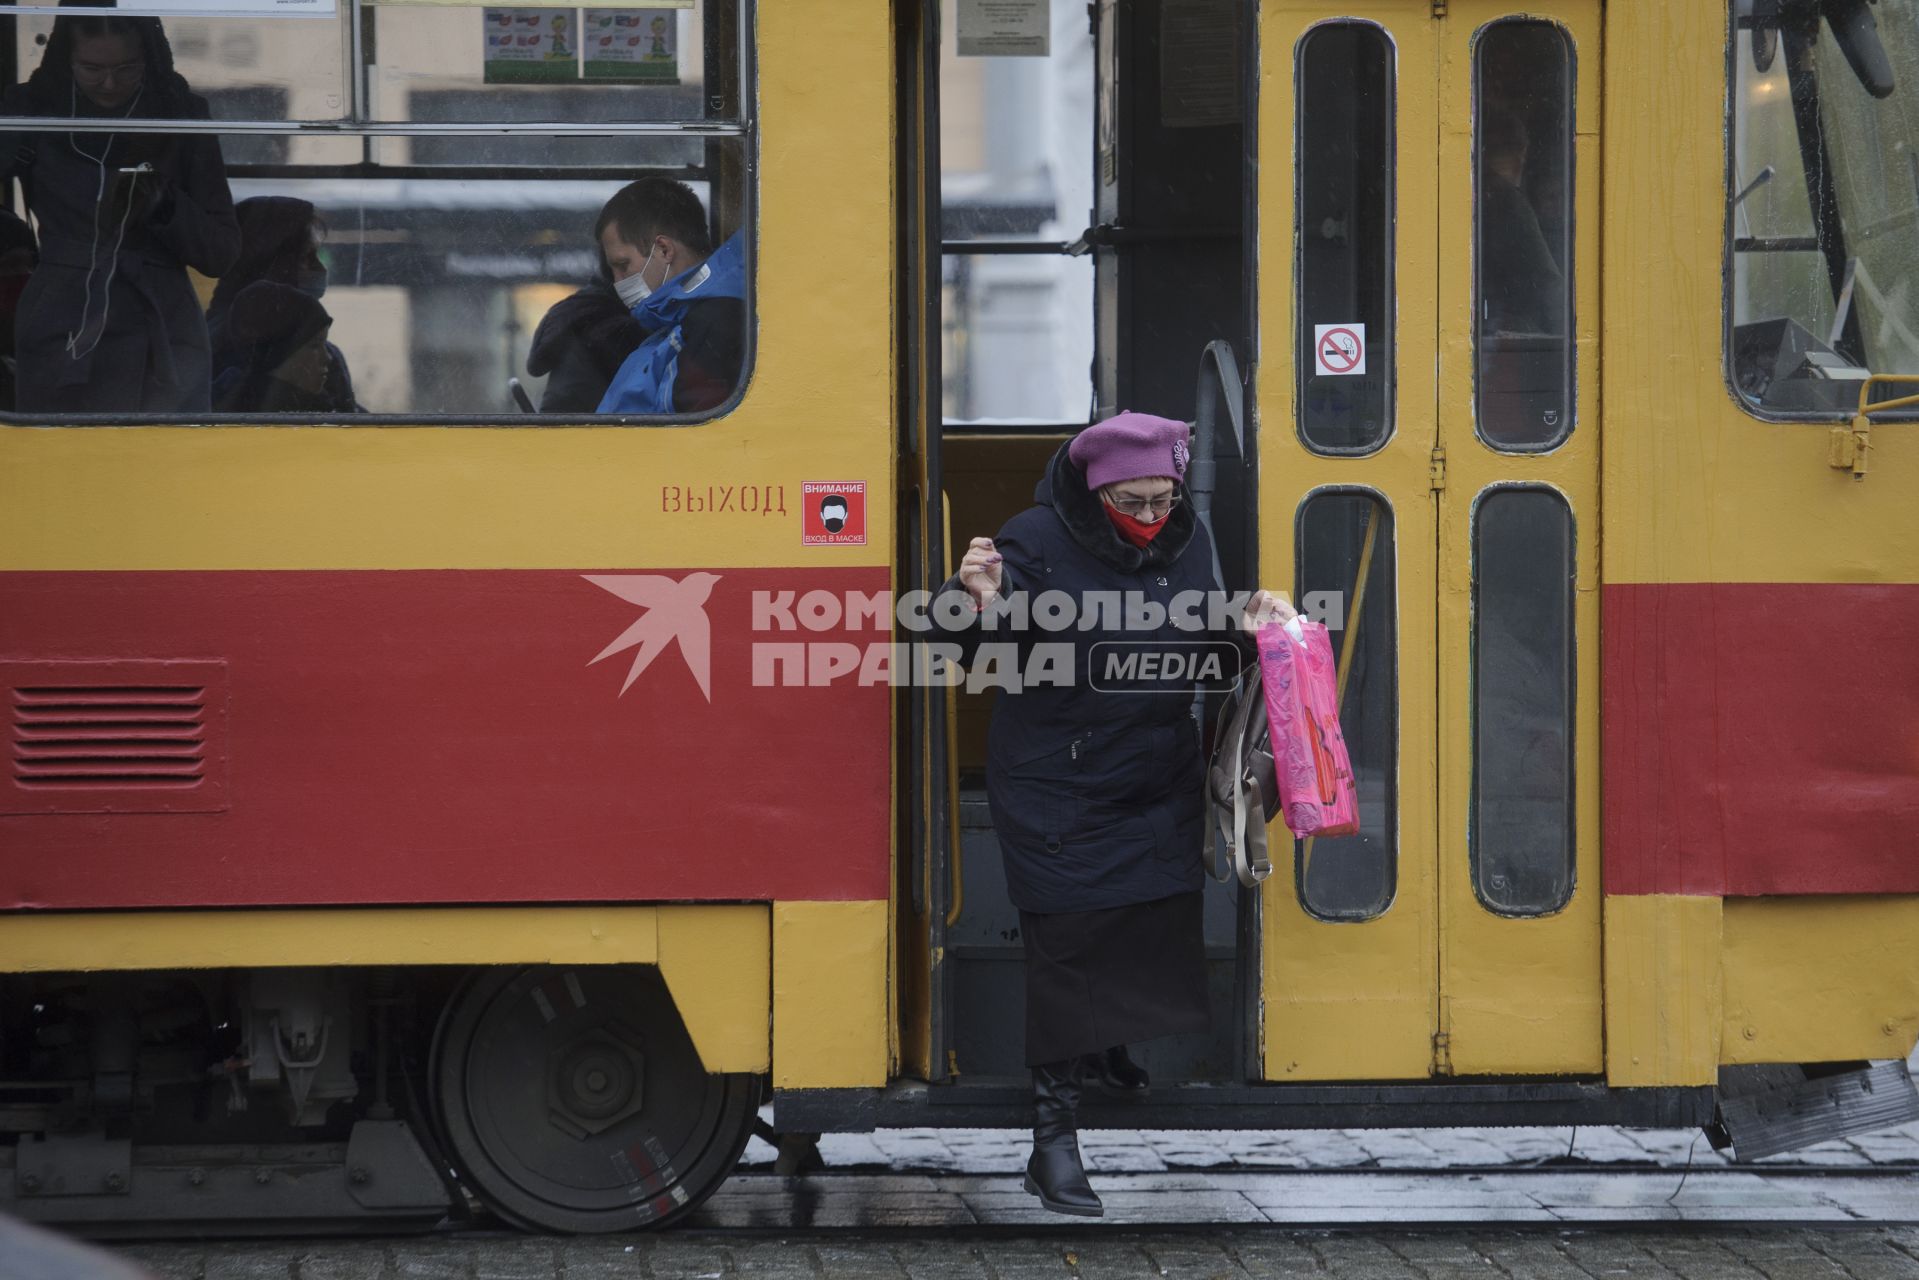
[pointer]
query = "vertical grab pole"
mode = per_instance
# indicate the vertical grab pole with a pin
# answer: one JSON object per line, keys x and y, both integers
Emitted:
{"x": 1202, "y": 477}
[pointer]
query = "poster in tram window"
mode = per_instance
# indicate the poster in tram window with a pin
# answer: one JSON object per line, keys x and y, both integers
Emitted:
{"x": 532, "y": 46}
{"x": 633, "y": 44}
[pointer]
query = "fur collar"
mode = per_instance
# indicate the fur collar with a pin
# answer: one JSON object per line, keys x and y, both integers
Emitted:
{"x": 1063, "y": 488}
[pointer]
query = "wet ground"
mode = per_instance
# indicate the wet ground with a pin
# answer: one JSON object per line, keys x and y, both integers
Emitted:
{"x": 1073, "y": 1253}
{"x": 1510, "y": 1204}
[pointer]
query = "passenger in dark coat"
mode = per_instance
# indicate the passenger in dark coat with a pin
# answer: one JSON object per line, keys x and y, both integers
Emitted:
{"x": 110, "y": 322}
{"x": 580, "y": 344}
{"x": 1095, "y": 781}
{"x": 280, "y": 239}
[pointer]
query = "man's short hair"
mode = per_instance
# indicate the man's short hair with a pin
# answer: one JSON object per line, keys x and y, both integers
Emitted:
{"x": 656, "y": 207}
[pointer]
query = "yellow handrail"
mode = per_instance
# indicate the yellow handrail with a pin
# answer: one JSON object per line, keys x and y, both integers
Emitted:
{"x": 1880, "y": 380}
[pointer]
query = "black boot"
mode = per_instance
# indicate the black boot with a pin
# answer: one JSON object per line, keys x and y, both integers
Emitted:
{"x": 1055, "y": 1173}
{"x": 1117, "y": 1073}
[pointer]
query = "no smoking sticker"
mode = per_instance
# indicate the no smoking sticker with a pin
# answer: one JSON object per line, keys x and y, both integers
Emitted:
{"x": 1339, "y": 349}
{"x": 833, "y": 513}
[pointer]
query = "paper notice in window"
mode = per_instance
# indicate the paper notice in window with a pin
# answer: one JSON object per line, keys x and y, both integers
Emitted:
{"x": 1005, "y": 28}
{"x": 633, "y": 44}
{"x": 531, "y": 46}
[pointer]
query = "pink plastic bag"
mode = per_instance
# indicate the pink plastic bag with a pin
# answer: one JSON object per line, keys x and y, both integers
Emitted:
{"x": 1316, "y": 794}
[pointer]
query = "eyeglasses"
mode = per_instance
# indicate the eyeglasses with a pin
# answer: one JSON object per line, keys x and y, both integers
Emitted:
{"x": 95, "y": 74}
{"x": 1137, "y": 507}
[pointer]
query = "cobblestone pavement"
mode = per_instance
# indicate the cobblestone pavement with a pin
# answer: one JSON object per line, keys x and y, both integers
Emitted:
{"x": 1227, "y": 1253}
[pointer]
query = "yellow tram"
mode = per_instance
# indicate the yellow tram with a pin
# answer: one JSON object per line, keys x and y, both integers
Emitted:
{"x": 445, "y": 797}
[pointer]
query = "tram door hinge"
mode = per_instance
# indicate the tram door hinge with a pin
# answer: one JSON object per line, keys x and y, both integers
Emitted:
{"x": 1438, "y": 470}
{"x": 1442, "y": 1053}
{"x": 1439, "y": 8}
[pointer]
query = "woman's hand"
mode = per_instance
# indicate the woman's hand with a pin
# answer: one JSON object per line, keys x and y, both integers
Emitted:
{"x": 1265, "y": 607}
{"x": 979, "y": 571}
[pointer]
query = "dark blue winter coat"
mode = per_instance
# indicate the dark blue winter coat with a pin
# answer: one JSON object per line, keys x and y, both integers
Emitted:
{"x": 1095, "y": 786}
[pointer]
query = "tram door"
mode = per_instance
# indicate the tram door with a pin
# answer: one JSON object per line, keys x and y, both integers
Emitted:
{"x": 1429, "y": 469}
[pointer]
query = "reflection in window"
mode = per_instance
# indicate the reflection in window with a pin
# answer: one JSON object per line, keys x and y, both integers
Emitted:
{"x": 1823, "y": 204}
{"x": 1523, "y": 263}
{"x": 396, "y": 265}
{"x": 1522, "y": 809}
{"x": 1346, "y": 562}
{"x": 1344, "y": 88}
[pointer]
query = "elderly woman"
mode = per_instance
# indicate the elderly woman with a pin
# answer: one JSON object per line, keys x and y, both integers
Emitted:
{"x": 1096, "y": 791}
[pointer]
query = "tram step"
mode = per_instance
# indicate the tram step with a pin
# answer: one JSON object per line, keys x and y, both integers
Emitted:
{"x": 1776, "y": 1112}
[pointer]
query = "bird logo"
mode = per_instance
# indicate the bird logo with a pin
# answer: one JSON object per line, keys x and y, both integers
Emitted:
{"x": 675, "y": 611}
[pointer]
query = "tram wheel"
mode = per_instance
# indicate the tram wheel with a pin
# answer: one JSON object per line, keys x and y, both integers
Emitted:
{"x": 572, "y": 1099}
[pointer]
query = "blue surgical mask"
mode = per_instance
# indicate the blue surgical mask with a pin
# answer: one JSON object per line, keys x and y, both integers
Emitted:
{"x": 311, "y": 283}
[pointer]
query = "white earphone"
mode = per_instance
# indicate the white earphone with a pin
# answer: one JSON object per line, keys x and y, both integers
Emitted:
{"x": 93, "y": 251}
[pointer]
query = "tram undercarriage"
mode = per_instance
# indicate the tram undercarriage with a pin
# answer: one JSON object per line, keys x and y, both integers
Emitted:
{"x": 571, "y": 1099}
{"x": 306, "y": 1099}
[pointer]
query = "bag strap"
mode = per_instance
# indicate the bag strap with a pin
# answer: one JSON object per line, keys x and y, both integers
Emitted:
{"x": 1240, "y": 813}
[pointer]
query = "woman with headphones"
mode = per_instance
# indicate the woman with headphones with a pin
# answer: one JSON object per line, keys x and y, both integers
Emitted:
{"x": 110, "y": 322}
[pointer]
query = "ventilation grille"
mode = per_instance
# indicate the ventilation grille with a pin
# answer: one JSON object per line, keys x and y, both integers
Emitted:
{"x": 109, "y": 736}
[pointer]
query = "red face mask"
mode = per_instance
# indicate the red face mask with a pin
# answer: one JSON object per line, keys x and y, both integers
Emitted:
{"x": 1132, "y": 528}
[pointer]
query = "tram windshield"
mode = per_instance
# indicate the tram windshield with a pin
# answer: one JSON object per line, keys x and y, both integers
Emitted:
{"x": 1823, "y": 202}
{"x": 321, "y": 210}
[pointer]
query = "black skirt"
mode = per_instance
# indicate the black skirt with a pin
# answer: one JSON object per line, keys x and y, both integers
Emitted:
{"x": 1095, "y": 979}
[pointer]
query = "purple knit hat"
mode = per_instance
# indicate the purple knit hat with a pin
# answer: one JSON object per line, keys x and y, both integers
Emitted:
{"x": 1130, "y": 446}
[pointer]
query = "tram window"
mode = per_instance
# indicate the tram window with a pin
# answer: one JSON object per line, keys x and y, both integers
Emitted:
{"x": 1016, "y": 152}
{"x": 1344, "y": 87}
{"x": 247, "y": 68}
{"x": 1523, "y": 244}
{"x": 1353, "y": 877}
{"x": 1822, "y": 237}
{"x": 1522, "y": 808}
{"x": 405, "y": 263}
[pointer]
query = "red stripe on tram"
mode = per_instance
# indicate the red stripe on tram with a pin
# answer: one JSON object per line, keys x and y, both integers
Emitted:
{"x": 1760, "y": 738}
{"x": 445, "y": 736}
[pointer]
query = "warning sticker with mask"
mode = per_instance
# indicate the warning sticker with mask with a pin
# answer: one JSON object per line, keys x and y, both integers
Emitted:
{"x": 833, "y": 513}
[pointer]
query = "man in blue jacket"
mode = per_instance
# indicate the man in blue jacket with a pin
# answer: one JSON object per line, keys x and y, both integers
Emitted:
{"x": 688, "y": 297}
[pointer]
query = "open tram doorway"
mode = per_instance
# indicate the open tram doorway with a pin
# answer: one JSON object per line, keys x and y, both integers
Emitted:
{"x": 1082, "y": 195}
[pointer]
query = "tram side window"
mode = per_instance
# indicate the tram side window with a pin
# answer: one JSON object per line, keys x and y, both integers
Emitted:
{"x": 1522, "y": 258}
{"x": 510, "y": 211}
{"x": 1822, "y": 205}
{"x": 1521, "y": 838}
{"x": 1344, "y": 87}
{"x": 1346, "y": 555}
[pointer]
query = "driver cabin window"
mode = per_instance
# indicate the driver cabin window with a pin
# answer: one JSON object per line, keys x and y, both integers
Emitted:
{"x": 513, "y": 211}
{"x": 1822, "y": 204}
